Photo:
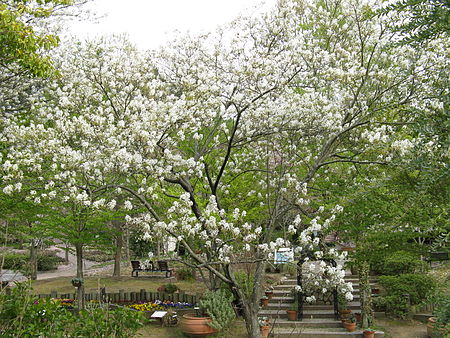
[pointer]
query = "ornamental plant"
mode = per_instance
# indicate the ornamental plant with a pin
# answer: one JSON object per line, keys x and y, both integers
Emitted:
{"x": 217, "y": 305}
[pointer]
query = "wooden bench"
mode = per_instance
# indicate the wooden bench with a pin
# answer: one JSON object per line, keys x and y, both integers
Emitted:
{"x": 162, "y": 267}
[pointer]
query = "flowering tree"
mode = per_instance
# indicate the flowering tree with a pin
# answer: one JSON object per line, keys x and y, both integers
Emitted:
{"x": 227, "y": 137}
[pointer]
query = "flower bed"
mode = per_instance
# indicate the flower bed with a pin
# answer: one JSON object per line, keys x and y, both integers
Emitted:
{"x": 158, "y": 305}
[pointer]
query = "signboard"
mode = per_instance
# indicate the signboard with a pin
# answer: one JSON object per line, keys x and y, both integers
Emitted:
{"x": 283, "y": 256}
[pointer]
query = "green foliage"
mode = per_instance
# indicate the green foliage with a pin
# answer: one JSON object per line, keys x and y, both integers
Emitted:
{"x": 170, "y": 288}
{"x": 245, "y": 282}
{"x": 18, "y": 261}
{"x": 399, "y": 262}
{"x": 426, "y": 19}
{"x": 218, "y": 306}
{"x": 97, "y": 255}
{"x": 24, "y": 315}
{"x": 405, "y": 290}
{"x": 441, "y": 310}
{"x": 186, "y": 274}
{"x": 99, "y": 322}
{"x": 20, "y": 43}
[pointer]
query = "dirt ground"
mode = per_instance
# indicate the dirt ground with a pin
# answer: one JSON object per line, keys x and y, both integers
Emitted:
{"x": 402, "y": 328}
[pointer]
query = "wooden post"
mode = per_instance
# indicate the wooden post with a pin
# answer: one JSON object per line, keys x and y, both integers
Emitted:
{"x": 53, "y": 294}
{"x": 121, "y": 295}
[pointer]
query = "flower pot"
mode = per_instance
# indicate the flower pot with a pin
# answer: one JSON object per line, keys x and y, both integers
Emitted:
{"x": 264, "y": 301}
{"x": 349, "y": 326}
{"x": 269, "y": 294}
{"x": 197, "y": 326}
{"x": 292, "y": 314}
{"x": 265, "y": 330}
{"x": 375, "y": 291}
{"x": 433, "y": 331}
{"x": 345, "y": 314}
{"x": 358, "y": 317}
{"x": 369, "y": 333}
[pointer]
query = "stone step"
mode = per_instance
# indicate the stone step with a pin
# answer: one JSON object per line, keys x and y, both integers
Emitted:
{"x": 286, "y": 290}
{"x": 284, "y": 298}
{"x": 320, "y": 333}
{"x": 307, "y": 314}
{"x": 273, "y": 304}
{"x": 307, "y": 322}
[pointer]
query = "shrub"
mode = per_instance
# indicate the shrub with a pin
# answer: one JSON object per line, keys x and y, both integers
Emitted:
{"x": 217, "y": 305}
{"x": 24, "y": 315}
{"x": 97, "y": 256}
{"x": 405, "y": 290}
{"x": 48, "y": 260}
{"x": 170, "y": 288}
{"x": 186, "y": 274}
{"x": 400, "y": 262}
{"x": 14, "y": 261}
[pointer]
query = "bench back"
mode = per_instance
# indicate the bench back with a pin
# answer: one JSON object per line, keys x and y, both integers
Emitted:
{"x": 136, "y": 265}
{"x": 162, "y": 265}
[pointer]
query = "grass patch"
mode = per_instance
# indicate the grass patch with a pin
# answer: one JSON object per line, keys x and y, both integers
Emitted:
{"x": 114, "y": 284}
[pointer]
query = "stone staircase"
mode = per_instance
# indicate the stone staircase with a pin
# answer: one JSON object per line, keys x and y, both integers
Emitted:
{"x": 318, "y": 319}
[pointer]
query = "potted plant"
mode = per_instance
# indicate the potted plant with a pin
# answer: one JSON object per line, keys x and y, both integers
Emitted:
{"x": 292, "y": 313}
{"x": 369, "y": 333}
{"x": 350, "y": 324}
{"x": 343, "y": 307}
{"x": 264, "y": 301}
{"x": 269, "y": 292}
{"x": 264, "y": 326}
{"x": 438, "y": 325}
{"x": 77, "y": 282}
{"x": 216, "y": 314}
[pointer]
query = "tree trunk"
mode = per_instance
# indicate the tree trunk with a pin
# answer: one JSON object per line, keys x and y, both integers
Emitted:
{"x": 66, "y": 254}
{"x": 80, "y": 290}
{"x": 366, "y": 295}
{"x": 118, "y": 248}
{"x": 33, "y": 259}
{"x": 251, "y": 319}
{"x": 127, "y": 245}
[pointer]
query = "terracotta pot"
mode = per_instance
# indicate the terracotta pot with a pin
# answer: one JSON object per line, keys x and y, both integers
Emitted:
{"x": 264, "y": 302}
{"x": 433, "y": 331}
{"x": 358, "y": 317}
{"x": 369, "y": 334}
{"x": 269, "y": 294}
{"x": 345, "y": 314}
{"x": 197, "y": 326}
{"x": 265, "y": 330}
{"x": 375, "y": 291}
{"x": 350, "y": 327}
{"x": 292, "y": 314}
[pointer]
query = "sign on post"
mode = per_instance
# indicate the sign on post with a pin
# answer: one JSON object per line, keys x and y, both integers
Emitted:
{"x": 283, "y": 256}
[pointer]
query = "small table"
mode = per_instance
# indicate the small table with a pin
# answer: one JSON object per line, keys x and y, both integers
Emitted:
{"x": 159, "y": 315}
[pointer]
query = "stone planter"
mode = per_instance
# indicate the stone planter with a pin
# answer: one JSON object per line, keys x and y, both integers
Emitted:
{"x": 264, "y": 301}
{"x": 197, "y": 326}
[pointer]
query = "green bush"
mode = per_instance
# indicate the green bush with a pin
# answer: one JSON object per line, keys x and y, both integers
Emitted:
{"x": 46, "y": 260}
{"x": 245, "y": 282}
{"x": 405, "y": 290}
{"x": 24, "y": 315}
{"x": 400, "y": 262}
{"x": 170, "y": 288}
{"x": 97, "y": 256}
{"x": 14, "y": 261}
{"x": 217, "y": 305}
{"x": 186, "y": 274}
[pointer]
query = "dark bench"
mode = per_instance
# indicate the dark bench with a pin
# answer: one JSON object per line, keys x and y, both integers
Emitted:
{"x": 162, "y": 267}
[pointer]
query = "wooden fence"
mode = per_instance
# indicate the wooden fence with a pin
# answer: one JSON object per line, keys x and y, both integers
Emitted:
{"x": 122, "y": 296}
